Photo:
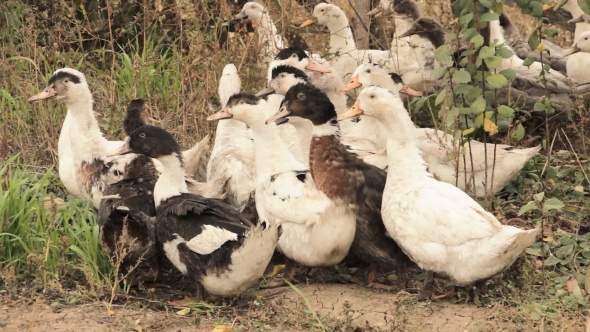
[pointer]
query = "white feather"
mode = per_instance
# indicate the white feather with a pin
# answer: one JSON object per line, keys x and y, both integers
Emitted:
{"x": 210, "y": 239}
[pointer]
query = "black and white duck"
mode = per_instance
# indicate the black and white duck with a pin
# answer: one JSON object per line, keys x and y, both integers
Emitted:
{"x": 204, "y": 238}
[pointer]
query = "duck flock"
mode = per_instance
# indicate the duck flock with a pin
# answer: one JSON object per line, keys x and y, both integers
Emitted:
{"x": 294, "y": 170}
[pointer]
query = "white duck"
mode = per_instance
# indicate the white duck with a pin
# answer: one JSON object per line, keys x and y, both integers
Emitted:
{"x": 454, "y": 236}
{"x": 316, "y": 231}
{"x": 442, "y": 152}
{"x": 344, "y": 56}
{"x": 573, "y": 8}
{"x": 82, "y": 147}
{"x": 578, "y": 62}
{"x": 232, "y": 156}
{"x": 268, "y": 36}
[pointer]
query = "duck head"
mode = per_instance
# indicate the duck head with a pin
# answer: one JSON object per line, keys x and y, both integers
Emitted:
{"x": 324, "y": 14}
{"x": 282, "y": 79}
{"x": 298, "y": 58}
{"x": 241, "y": 107}
{"x": 307, "y": 102}
{"x": 375, "y": 101}
{"x": 582, "y": 45}
{"x": 65, "y": 84}
{"x": 251, "y": 11}
{"x": 372, "y": 74}
{"x": 150, "y": 141}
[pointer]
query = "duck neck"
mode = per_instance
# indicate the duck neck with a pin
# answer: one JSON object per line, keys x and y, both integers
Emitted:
{"x": 407, "y": 158}
{"x": 64, "y": 146}
{"x": 329, "y": 128}
{"x": 268, "y": 35}
{"x": 341, "y": 38}
{"x": 171, "y": 182}
{"x": 272, "y": 153}
{"x": 86, "y": 139}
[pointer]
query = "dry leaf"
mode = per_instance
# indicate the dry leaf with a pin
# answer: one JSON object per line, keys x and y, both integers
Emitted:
{"x": 110, "y": 312}
{"x": 276, "y": 270}
{"x": 574, "y": 288}
{"x": 222, "y": 328}
{"x": 183, "y": 312}
{"x": 182, "y": 303}
{"x": 587, "y": 280}
{"x": 551, "y": 182}
{"x": 138, "y": 328}
{"x": 579, "y": 189}
{"x": 490, "y": 126}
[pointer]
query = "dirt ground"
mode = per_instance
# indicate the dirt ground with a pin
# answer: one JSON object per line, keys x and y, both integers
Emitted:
{"x": 339, "y": 307}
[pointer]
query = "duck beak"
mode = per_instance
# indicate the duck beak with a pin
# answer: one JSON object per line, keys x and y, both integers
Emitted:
{"x": 307, "y": 23}
{"x": 577, "y": 19}
{"x": 265, "y": 92}
{"x": 407, "y": 33}
{"x": 376, "y": 11}
{"x": 547, "y": 7}
{"x": 569, "y": 52}
{"x": 241, "y": 16}
{"x": 410, "y": 92}
{"x": 353, "y": 84}
{"x": 314, "y": 66}
{"x": 352, "y": 112}
{"x": 280, "y": 116}
{"x": 223, "y": 114}
{"x": 124, "y": 149}
{"x": 48, "y": 93}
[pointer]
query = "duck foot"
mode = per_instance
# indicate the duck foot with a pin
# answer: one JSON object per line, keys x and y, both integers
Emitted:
{"x": 287, "y": 276}
{"x": 426, "y": 292}
{"x": 447, "y": 294}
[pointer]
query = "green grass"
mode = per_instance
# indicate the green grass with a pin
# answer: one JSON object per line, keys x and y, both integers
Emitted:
{"x": 44, "y": 241}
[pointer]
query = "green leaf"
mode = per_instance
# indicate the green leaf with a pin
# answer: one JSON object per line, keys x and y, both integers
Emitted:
{"x": 440, "y": 97}
{"x": 486, "y": 3}
{"x": 564, "y": 251}
{"x": 487, "y": 17}
{"x": 498, "y": 8}
{"x": 539, "y": 196}
{"x": 551, "y": 32}
{"x": 438, "y": 72}
{"x": 537, "y": 9}
{"x": 539, "y": 107}
{"x": 528, "y": 61}
{"x": 534, "y": 40}
{"x": 478, "y": 106}
{"x": 518, "y": 134}
{"x": 584, "y": 5}
{"x": 461, "y": 77}
{"x": 477, "y": 40}
{"x": 528, "y": 207}
{"x": 504, "y": 52}
{"x": 465, "y": 19}
{"x": 506, "y": 111}
{"x": 552, "y": 260}
{"x": 508, "y": 73}
{"x": 486, "y": 52}
{"x": 493, "y": 62}
{"x": 552, "y": 204}
{"x": 534, "y": 251}
{"x": 497, "y": 81}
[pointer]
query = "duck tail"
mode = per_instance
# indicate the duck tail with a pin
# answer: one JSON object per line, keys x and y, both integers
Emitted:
{"x": 194, "y": 156}
{"x": 528, "y": 153}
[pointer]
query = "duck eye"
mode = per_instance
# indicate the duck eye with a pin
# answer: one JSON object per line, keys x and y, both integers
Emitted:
{"x": 142, "y": 135}
{"x": 241, "y": 102}
{"x": 322, "y": 10}
{"x": 369, "y": 71}
{"x": 301, "y": 96}
{"x": 294, "y": 55}
{"x": 372, "y": 96}
{"x": 66, "y": 81}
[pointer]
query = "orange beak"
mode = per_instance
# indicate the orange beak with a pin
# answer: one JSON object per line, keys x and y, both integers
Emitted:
{"x": 313, "y": 66}
{"x": 547, "y": 7}
{"x": 124, "y": 149}
{"x": 48, "y": 93}
{"x": 282, "y": 113}
{"x": 353, "y": 111}
{"x": 410, "y": 92}
{"x": 307, "y": 23}
{"x": 353, "y": 84}
{"x": 223, "y": 114}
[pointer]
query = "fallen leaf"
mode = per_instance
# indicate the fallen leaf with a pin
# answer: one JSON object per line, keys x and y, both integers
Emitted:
{"x": 574, "y": 288}
{"x": 183, "y": 312}
{"x": 276, "y": 270}
{"x": 138, "y": 328}
{"x": 222, "y": 328}
{"x": 548, "y": 239}
{"x": 579, "y": 189}
{"x": 110, "y": 312}
{"x": 182, "y": 303}
{"x": 551, "y": 182}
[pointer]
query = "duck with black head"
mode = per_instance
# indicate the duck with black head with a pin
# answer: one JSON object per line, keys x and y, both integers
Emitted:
{"x": 204, "y": 238}
{"x": 344, "y": 177}
{"x": 316, "y": 231}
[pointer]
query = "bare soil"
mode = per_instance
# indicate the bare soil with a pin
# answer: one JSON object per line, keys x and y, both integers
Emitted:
{"x": 338, "y": 307}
